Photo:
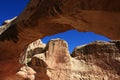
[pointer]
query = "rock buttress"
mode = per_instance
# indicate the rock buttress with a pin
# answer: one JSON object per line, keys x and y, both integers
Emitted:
{"x": 54, "y": 63}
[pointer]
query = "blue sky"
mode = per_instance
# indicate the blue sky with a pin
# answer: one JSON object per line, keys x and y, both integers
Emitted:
{"x": 75, "y": 38}
{"x": 12, "y": 8}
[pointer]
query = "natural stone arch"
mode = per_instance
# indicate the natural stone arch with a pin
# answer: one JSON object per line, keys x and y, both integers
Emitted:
{"x": 46, "y": 17}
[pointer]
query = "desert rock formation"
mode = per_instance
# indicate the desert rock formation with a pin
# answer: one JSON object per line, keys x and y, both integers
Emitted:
{"x": 95, "y": 61}
{"x": 47, "y": 17}
{"x": 102, "y": 60}
{"x": 35, "y": 47}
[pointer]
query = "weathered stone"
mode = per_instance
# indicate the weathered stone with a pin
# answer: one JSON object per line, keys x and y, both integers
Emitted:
{"x": 55, "y": 60}
{"x": 26, "y": 73}
{"x": 98, "y": 60}
{"x": 47, "y": 17}
{"x": 97, "y": 50}
{"x": 35, "y": 47}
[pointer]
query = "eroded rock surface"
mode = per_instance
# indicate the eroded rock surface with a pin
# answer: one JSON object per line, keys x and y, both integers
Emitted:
{"x": 35, "y": 47}
{"x": 98, "y": 60}
{"x": 55, "y": 63}
{"x": 26, "y": 73}
{"x": 47, "y": 17}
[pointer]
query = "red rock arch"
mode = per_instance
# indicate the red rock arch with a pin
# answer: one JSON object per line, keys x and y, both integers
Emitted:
{"x": 47, "y": 17}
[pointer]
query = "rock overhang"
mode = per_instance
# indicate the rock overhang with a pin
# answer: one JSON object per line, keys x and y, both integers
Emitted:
{"x": 45, "y": 17}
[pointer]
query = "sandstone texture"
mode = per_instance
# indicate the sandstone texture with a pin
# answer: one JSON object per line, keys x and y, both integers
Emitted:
{"x": 54, "y": 63}
{"x": 102, "y": 60}
{"x": 26, "y": 73}
{"x": 42, "y": 18}
{"x": 35, "y": 47}
{"x": 98, "y": 60}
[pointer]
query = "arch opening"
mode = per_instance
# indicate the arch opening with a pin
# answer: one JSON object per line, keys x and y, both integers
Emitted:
{"x": 54, "y": 58}
{"x": 75, "y": 38}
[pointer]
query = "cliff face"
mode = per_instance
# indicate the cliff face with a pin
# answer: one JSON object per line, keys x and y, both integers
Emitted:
{"x": 95, "y": 61}
{"x": 102, "y": 59}
{"x": 54, "y": 63}
{"x": 96, "y": 50}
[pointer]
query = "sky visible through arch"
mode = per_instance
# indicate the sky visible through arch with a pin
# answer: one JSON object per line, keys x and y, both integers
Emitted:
{"x": 12, "y": 8}
{"x": 75, "y": 38}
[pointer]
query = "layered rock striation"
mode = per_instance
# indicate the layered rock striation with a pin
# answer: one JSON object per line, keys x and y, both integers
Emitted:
{"x": 98, "y": 60}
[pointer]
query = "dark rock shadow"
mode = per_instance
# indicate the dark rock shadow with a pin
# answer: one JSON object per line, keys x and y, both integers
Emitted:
{"x": 40, "y": 67}
{"x": 35, "y": 51}
{"x": 10, "y": 34}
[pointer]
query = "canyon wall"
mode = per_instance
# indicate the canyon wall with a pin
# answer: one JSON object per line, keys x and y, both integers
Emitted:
{"x": 95, "y": 61}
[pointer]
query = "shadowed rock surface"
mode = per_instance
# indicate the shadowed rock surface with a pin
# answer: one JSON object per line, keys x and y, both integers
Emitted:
{"x": 98, "y": 60}
{"x": 47, "y": 17}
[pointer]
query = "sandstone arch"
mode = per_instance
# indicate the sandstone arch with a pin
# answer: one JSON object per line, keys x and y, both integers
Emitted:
{"x": 46, "y": 17}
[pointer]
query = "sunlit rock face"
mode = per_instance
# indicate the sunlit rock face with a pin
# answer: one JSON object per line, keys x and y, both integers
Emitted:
{"x": 35, "y": 47}
{"x": 26, "y": 73}
{"x": 54, "y": 63}
{"x": 47, "y": 17}
{"x": 98, "y": 60}
{"x": 101, "y": 60}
